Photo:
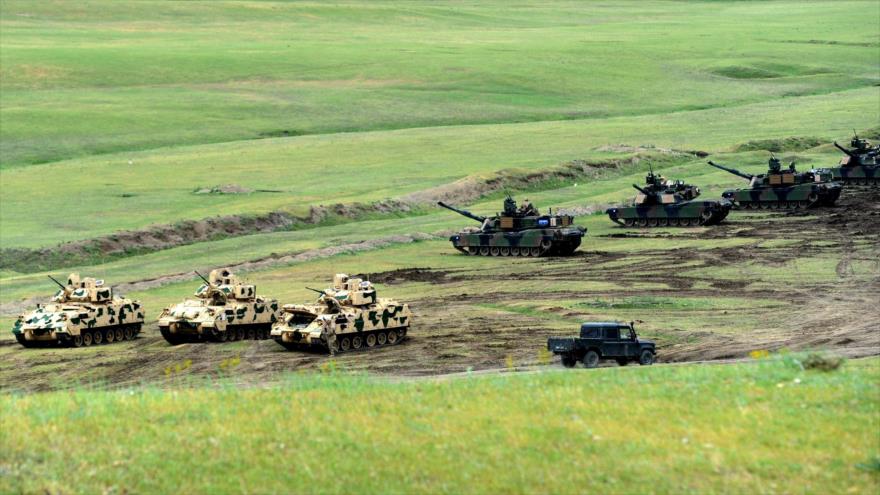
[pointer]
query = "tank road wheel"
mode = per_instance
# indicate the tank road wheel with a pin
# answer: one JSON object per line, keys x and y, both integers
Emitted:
{"x": 505, "y": 251}
{"x": 381, "y": 338}
{"x": 628, "y": 222}
{"x": 120, "y": 334}
{"x": 652, "y": 222}
{"x": 109, "y": 336}
{"x": 76, "y": 341}
{"x": 591, "y": 359}
{"x": 97, "y": 337}
{"x": 568, "y": 361}
{"x": 642, "y": 222}
{"x": 803, "y": 204}
{"x": 251, "y": 334}
{"x": 484, "y": 251}
{"x": 402, "y": 333}
{"x": 357, "y": 342}
{"x": 371, "y": 340}
{"x": 86, "y": 337}
{"x": 345, "y": 344}
{"x": 241, "y": 334}
{"x": 392, "y": 337}
{"x": 472, "y": 251}
{"x": 514, "y": 251}
{"x": 674, "y": 222}
{"x": 646, "y": 358}
{"x": 663, "y": 222}
{"x": 535, "y": 252}
{"x": 128, "y": 333}
{"x": 495, "y": 251}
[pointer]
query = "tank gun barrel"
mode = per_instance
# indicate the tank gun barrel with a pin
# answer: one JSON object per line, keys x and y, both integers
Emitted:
{"x": 841, "y": 148}
{"x": 641, "y": 190}
{"x": 732, "y": 171}
{"x": 462, "y": 212}
{"x": 203, "y": 278}
{"x": 316, "y": 290}
{"x": 63, "y": 287}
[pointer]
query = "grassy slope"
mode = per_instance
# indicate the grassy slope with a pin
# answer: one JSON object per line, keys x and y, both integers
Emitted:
{"x": 748, "y": 428}
{"x": 87, "y": 77}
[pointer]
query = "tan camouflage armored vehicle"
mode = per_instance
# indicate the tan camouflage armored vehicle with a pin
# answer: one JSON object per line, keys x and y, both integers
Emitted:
{"x": 82, "y": 313}
{"x": 347, "y": 316}
{"x": 225, "y": 310}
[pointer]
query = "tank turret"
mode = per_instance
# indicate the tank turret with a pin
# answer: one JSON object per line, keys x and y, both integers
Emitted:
{"x": 519, "y": 231}
{"x": 860, "y": 166}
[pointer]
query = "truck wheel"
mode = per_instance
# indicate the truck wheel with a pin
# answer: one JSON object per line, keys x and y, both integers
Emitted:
{"x": 646, "y": 358}
{"x": 591, "y": 359}
{"x": 568, "y": 361}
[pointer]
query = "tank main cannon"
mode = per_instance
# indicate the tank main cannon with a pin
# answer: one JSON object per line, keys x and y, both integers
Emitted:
{"x": 462, "y": 212}
{"x": 732, "y": 171}
{"x": 846, "y": 151}
{"x": 639, "y": 189}
{"x": 519, "y": 231}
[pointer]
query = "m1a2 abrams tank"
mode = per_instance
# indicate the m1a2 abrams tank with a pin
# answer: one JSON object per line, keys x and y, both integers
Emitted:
{"x": 82, "y": 313}
{"x": 663, "y": 203}
{"x": 225, "y": 310}
{"x": 519, "y": 231}
{"x": 347, "y": 316}
{"x": 860, "y": 166}
{"x": 782, "y": 189}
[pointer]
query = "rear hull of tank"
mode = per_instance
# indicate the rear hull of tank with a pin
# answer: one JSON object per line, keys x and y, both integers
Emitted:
{"x": 531, "y": 242}
{"x": 789, "y": 197}
{"x": 688, "y": 214}
{"x": 860, "y": 175}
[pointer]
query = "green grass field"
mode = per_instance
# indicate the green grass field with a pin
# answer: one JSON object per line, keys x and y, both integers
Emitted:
{"x": 114, "y": 114}
{"x": 762, "y": 427}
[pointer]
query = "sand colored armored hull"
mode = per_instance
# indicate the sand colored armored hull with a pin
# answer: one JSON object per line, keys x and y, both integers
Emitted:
{"x": 82, "y": 313}
{"x": 224, "y": 310}
{"x": 346, "y": 317}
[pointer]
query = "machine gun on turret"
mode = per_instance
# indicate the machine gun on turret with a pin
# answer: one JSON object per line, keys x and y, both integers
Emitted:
{"x": 63, "y": 287}
{"x": 732, "y": 171}
{"x": 462, "y": 212}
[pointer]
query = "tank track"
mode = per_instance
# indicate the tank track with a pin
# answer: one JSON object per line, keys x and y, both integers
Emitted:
{"x": 88, "y": 337}
{"x": 778, "y": 205}
{"x": 860, "y": 182}
{"x": 560, "y": 249}
{"x": 232, "y": 334}
{"x": 669, "y": 222}
{"x": 350, "y": 343}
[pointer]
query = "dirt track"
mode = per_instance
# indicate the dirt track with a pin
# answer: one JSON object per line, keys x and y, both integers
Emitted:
{"x": 451, "y": 336}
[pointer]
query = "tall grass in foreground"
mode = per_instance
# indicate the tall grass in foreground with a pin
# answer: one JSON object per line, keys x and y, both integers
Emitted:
{"x": 767, "y": 426}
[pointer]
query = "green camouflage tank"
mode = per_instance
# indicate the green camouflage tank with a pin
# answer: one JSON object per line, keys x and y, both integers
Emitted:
{"x": 347, "y": 316}
{"x": 860, "y": 166}
{"x": 663, "y": 202}
{"x": 519, "y": 231}
{"x": 782, "y": 188}
{"x": 82, "y": 313}
{"x": 224, "y": 309}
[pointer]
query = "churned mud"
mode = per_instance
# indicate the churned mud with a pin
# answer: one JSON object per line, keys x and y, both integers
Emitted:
{"x": 466, "y": 322}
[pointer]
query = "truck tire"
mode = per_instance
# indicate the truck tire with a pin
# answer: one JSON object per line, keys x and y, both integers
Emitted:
{"x": 568, "y": 361}
{"x": 591, "y": 359}
{"x": 646, "y": 358}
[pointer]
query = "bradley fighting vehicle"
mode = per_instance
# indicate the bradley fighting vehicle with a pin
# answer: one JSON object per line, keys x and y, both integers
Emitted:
{"x": 860, "y": 166}
{"x": 225, "y": 309}
{"x": 82, "y": 313}
{"x": 519, "y": 231}
{"x": 782, "y": 188}
{"x": 664, "y": 202}
{"x": 347, "y": 316}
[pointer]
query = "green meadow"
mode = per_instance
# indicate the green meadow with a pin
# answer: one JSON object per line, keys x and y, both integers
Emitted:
{"x": 115, "y": 115}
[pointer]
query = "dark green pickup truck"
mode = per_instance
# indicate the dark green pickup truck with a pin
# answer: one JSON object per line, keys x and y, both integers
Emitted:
{"x": 603, "y": 340}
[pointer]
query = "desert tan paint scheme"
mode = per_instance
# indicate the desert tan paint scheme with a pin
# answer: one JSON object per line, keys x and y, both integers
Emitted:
{"x": 225, "y": 309}
{"x": 83, "y": 312}
{"x": 347, "y": 316}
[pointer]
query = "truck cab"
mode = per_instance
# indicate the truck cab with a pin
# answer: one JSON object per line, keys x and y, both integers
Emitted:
{"x": 600, "y": 340}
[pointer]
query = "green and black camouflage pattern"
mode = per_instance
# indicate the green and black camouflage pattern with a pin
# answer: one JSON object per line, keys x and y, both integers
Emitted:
{"x": 782, "y": 189}
{"x": 83, "y": 312}
{"x": 519, "y": 231}
{"x": 669, "y": 203}
{"x": 860, "y": 166}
